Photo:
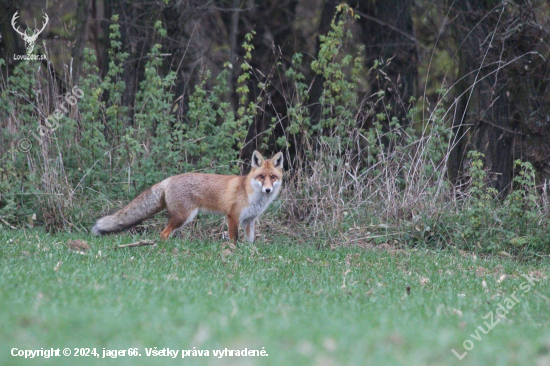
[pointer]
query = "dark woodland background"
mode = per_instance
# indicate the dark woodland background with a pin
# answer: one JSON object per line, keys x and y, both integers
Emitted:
{"x": 507, "y": 114}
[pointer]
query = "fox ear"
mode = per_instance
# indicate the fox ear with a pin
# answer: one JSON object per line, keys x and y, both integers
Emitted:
{"x": 278, "y": 160}
{"x": 257, "y": 159}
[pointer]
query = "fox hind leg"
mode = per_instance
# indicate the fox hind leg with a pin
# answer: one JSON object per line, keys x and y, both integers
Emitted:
{"x": 177, "y": 221}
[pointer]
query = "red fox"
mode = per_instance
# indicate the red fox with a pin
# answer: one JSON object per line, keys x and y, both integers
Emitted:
{"x": 242, "y": 198}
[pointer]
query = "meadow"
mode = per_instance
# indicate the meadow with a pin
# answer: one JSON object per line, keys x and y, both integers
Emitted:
{"x": 303, "y": 306}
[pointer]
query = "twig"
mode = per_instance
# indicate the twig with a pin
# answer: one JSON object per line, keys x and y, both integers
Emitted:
{"x": 384, "y": 24}
{"x": 5, "y": 222}
{"x": 375, "y": 236}
{"x": 140, "y": 243}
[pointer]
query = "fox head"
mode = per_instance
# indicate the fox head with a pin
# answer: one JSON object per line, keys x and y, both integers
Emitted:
{"x": 267, "y": 175}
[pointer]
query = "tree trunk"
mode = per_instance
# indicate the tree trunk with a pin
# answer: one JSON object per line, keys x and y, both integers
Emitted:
{"x": 329, "y": 10}
{"x": 388, "y": 34}
{"x": 273, "y": 22}
{"x": 493, "y": 55}
{"x": 81, "y": 37}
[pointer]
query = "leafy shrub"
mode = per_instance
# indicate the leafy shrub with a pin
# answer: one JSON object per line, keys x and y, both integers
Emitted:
{"x": 357, "y": 174}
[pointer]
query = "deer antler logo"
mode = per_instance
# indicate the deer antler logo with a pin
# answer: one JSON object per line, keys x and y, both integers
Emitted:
{"x": 29, "y": 39}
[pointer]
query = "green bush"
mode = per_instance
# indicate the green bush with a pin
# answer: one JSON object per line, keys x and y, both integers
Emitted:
{"x": 357, "y": 174}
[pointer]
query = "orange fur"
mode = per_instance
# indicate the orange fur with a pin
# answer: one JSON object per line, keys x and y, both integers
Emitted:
{"x": 241, "y": 198}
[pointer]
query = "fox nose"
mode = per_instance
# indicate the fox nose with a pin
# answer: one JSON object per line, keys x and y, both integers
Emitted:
{"x": 267, "y": 190}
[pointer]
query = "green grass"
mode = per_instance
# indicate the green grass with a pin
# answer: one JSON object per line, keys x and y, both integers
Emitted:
{"x": 347, "y": 306}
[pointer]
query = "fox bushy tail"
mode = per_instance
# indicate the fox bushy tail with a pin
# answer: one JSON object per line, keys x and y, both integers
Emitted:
{"x": 143, "y": 206}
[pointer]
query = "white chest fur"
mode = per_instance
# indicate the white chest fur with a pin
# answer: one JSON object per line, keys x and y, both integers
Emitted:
{"x": 258, "y": 203}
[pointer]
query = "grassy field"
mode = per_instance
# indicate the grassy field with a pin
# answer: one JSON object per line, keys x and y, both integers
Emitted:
{"x": 347, "y": 306}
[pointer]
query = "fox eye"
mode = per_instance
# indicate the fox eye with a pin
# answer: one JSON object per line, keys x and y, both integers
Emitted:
{"x": 273, "y": 177}
{"x": 262, "y": 177}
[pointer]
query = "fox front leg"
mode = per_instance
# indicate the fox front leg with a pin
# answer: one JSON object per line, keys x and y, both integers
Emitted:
{"x": 250, "y": 231}
{"x": 233, "y": 224}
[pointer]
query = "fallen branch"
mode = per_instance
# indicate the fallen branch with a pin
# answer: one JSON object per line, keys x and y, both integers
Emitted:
{"x": 5, "y": 222}
{"x": 140, "y": 243}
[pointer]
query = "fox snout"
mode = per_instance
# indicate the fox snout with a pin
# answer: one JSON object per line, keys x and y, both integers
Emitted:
{"x": 268, "y": 184}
